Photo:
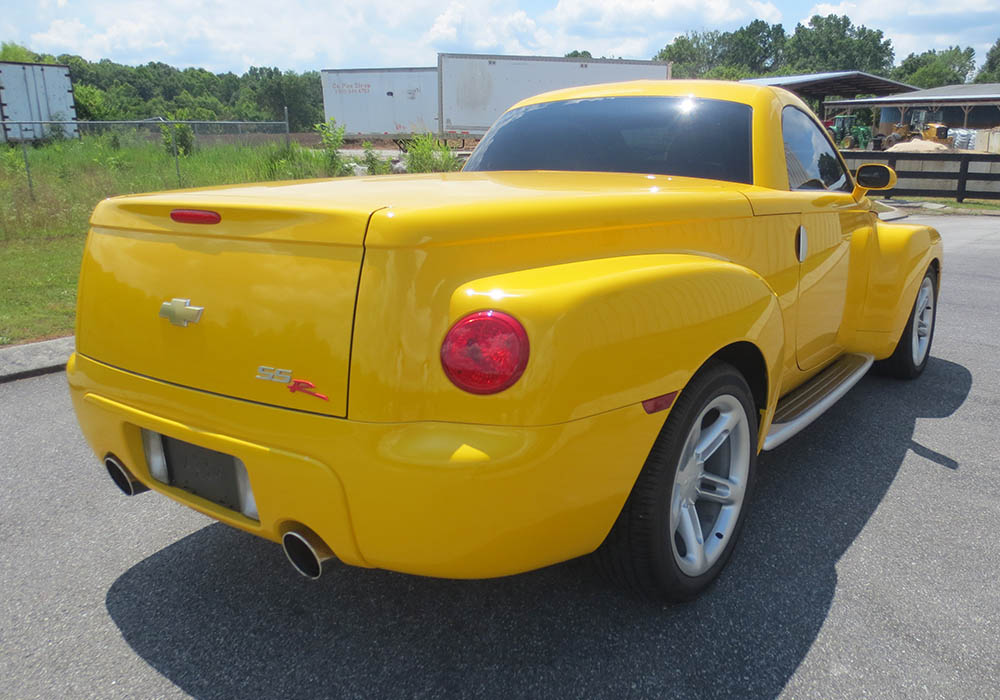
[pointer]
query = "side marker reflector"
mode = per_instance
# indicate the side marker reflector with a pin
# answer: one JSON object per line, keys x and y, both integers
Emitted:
{"x": 659, "y": 403}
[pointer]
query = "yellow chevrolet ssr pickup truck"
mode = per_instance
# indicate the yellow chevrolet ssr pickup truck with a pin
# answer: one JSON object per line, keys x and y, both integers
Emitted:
{"x": 578, "y": 344}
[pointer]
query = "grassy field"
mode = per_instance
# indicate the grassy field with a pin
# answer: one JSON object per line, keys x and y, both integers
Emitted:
{"x": 41, "y": 237}
{"x": 970, "y": 206}
{"x": 38, "y": 287}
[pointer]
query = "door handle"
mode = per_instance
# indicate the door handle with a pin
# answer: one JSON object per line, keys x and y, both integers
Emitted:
{"x": 801, "y": 243}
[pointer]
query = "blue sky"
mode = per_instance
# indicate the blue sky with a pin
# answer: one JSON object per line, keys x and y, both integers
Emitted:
{"x": 299, "y": 35}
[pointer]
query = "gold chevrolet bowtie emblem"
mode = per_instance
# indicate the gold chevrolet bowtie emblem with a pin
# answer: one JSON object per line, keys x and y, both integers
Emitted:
{"x": 180, "y": 312}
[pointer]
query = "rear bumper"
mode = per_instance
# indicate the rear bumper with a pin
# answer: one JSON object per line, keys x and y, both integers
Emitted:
{"x": 437, "y": 499}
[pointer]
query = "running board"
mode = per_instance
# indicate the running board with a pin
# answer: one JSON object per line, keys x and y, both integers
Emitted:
{"x": 807, "y": 403}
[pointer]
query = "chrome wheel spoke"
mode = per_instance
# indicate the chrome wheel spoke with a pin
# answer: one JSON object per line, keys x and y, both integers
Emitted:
{"x": 713, "y": 437}
{"x": 689, "y": 529}
{"x": 689, "y": 456}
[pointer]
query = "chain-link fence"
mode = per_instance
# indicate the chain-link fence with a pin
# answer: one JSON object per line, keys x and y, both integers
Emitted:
{"x": 162, "y": 149}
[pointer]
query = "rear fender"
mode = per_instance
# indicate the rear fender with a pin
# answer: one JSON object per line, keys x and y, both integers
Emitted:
{"x": 607, "y": 333}
{"x": 903, "y": 254}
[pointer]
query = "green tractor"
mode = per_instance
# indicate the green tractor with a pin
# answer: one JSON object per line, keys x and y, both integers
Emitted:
{"x": 847, "y": 133}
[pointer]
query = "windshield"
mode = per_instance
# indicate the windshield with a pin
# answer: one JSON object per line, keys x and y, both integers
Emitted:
{"x": 686, "y": 136}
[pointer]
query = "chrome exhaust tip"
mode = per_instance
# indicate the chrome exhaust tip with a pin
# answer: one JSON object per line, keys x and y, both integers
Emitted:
{"x": 122, "y": 477}
{"x": 306, "y": 551}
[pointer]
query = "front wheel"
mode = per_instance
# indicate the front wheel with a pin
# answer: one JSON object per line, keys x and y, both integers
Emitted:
{"x": 914, "y": 347}
{"x": 687, "y": 508}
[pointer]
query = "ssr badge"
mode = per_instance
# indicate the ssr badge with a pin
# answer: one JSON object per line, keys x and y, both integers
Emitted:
{"x": 284, "y": 376}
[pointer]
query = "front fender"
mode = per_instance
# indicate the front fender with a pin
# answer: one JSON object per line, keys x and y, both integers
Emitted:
{"x": 604, "y": 334}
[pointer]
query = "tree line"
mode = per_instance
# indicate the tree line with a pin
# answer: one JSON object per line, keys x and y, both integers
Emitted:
{"x": 106, "y": 90}
{"x": 831, "y": 43}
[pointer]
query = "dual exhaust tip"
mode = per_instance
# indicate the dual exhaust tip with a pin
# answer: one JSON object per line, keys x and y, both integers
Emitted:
{"x": 122, "y": 477}
{"x": 306, "y": 551}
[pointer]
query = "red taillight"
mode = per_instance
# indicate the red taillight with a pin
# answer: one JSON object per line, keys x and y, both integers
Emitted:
{"x": 195, "y": 216}
{"x": 485, "y": 352}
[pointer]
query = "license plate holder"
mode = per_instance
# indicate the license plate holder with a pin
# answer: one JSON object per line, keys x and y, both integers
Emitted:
{"x": 215, "y": 476}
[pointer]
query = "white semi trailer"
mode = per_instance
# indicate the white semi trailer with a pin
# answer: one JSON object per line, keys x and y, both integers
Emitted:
{"x": 382, "y": 102}
{"x": 464, "y": 95}
{"x": 33, "y": 93}
{"x": 475, "y": 89}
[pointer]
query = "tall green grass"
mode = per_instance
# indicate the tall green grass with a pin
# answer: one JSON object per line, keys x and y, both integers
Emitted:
{"x": 70, "y": 177}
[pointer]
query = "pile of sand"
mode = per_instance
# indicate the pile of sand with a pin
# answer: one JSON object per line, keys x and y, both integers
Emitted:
{"x": 919, "y": 146}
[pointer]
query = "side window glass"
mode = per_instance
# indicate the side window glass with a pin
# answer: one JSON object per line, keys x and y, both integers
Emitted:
{"x": 811, "y": 160}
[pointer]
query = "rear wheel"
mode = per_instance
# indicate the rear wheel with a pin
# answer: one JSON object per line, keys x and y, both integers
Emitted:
{"x": 914, "y": 347}
{"x": 687, "y": 508}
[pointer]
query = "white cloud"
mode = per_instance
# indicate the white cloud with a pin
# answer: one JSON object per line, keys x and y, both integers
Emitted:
{"x": 312, "y": 34}
{"x": 766, "y": 11}
{"x": 625, "y": 12}
{"x": 823, "y": 9}
{"x": 446, "y": 25}
{"x": 490, "y": 27}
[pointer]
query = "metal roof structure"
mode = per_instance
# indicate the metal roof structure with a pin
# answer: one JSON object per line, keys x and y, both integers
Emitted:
{"x": 968, "y": 94}
{"x": 820, "y": 85}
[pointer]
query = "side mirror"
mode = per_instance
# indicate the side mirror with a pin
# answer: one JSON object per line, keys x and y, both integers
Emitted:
{"x": 874, "y": 176}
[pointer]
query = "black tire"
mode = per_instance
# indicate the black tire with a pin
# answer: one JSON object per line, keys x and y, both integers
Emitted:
{"x": 640, "y": 553}
{"x": 902, "y": 364}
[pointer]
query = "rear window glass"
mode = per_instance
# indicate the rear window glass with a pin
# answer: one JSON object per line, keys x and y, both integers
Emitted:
{"x": 686, "y": 136}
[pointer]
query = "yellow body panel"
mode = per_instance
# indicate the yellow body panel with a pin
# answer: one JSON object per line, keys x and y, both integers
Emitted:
{"x": 425, "y": 498}
{"x": 627, "y": 284}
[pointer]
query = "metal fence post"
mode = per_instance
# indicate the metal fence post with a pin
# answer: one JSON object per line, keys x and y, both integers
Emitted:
{"x": 27, "y": 165}
{"x": 288, "y": 138}
{"x": 177, "y": 163}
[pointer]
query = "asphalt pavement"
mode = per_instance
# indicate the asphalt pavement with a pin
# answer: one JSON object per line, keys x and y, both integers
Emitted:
{"x": 868, "y": 569}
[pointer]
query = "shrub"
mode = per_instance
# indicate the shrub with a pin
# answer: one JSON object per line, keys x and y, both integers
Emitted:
{"x": 426, "y": 155}
{"x": 332, "y": 138}
{"x": 376, "y": 164}
{"x": 11, "y": 160}
{"x": 180, "y": 135}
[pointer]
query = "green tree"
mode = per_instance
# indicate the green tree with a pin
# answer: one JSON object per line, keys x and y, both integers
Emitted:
{"x": 730, "y": 73}
{"x": 205, "y": 107}
{"x": 578, "y": 54}
{"x": 109, "y": 90}
{"x": 759, "y": 47}
{"x": 833, "y": 43}
{"x": 990, "y": 72}
{"x": 9, "y": 51}
{"x": 935, "y": 68}
{"x": 693, "y": 54}
{"x": 91, "y": 103}
{"x": 123, "y": 102}
{"x": 274, "y": 90}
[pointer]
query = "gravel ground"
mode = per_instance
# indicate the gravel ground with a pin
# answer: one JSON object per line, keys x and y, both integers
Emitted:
{"x": 868, "y": 569}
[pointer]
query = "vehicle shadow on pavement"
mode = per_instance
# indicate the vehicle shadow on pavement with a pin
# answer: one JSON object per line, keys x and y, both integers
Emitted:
{"x": 221, "y": 614}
